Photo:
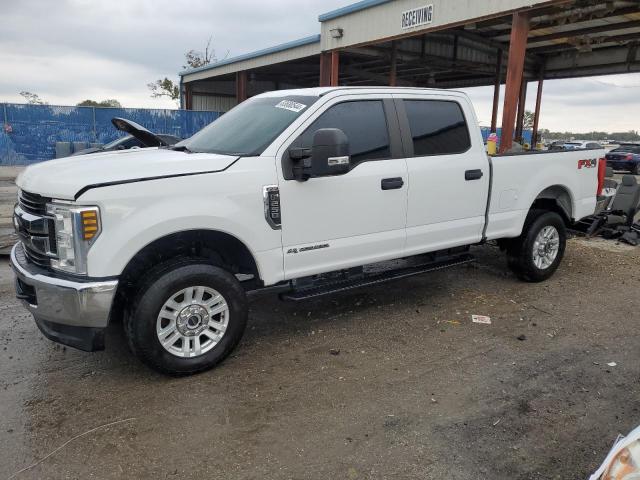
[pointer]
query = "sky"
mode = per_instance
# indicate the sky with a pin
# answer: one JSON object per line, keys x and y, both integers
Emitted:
{"x": 67, "y": 51}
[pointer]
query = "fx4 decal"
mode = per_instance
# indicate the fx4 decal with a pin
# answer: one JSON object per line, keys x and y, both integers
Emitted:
{"x": 588, "y": 163}
{"x": 306, "y": 249}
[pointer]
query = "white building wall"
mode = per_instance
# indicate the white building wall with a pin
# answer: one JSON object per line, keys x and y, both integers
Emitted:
{"x": 213, "y": 103}
{"x": 384, "y": 21}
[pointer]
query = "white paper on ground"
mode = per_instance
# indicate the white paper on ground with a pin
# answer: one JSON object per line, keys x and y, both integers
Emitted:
{"x": 617, "y": 447}
{"x": 481, "y": 319}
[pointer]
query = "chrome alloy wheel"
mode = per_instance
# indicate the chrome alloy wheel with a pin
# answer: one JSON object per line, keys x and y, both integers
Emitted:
{"x": 546, "y": 247}
{"x": 192, "y": 321}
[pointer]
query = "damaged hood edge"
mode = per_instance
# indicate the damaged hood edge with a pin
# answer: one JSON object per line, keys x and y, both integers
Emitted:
{"x": 68, "y": 178}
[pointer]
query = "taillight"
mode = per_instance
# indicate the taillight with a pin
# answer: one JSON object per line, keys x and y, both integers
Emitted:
{"x": 602, "y": 171}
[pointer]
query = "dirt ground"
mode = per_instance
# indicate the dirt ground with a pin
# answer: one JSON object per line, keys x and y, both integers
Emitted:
{"x": 416, "y": 390}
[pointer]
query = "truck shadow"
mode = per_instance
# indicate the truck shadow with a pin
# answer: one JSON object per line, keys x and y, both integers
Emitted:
{"x": 274, "y": 323}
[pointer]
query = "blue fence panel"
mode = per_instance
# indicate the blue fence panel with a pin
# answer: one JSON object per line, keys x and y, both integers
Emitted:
{"x": 30, "y": 132}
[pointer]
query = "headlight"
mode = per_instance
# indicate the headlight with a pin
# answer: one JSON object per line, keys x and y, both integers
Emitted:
{"x": 76, "y": 228}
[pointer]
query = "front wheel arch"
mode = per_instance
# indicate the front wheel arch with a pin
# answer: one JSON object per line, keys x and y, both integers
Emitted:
{"x": 210, "y": 246}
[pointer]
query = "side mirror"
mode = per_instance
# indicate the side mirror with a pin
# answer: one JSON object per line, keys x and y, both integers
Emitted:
{"x": 328, "y": 156}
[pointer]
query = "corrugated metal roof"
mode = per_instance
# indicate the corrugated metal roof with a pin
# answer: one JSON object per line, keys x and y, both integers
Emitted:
{"x": 570, "y": 38}
{"x": 258, "y": 53}
{"x": 354, "y": 7}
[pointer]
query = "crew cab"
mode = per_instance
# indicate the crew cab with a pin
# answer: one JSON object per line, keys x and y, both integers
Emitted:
{"x": 304, "y": 192}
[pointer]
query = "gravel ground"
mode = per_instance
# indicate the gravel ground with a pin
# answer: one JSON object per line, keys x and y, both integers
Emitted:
{"x": 8, "y": 195}
{"x": 393, "y": 381}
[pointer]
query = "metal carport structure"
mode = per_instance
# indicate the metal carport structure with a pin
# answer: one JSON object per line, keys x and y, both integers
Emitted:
{"x": 444, "y": 44}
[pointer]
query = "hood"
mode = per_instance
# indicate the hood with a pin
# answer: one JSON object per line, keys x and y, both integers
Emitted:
{"x": 138, "y": 131}
{"x": 66, "y": 177}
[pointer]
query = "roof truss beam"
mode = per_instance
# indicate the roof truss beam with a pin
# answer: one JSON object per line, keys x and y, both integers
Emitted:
{"x": 585, "y": 31}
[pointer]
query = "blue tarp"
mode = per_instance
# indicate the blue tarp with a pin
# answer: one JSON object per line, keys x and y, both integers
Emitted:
{"x": 30, "y": 132}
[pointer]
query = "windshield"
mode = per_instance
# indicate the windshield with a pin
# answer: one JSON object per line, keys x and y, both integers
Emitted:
{"x": 115, "y": 142}
{"x": 250, "y": 127}
{"x": 627, "y": 149}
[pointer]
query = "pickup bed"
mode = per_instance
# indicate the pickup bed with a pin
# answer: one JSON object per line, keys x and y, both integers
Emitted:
{"x": 305, "y": 192}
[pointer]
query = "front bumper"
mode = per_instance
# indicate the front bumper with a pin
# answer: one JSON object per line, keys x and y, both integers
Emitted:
{"x": 71, "y": 312}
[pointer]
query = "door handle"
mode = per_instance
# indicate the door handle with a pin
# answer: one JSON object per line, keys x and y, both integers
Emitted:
{"x": 391, "y": 183}
{"x": 473, "y": 174}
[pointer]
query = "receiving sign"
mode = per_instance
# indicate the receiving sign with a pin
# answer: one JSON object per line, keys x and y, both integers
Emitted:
{"x": 417, "y": 16}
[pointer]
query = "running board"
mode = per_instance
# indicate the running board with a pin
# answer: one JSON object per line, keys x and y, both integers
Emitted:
{"x": 366, "y": 279}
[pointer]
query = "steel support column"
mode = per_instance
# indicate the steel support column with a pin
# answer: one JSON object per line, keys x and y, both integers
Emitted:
{"x": 325, "y": 69}
{"x": 496, "y": 92}
{"x": 515, "y": 69}
{"x": 393, "y": 69}
{"x": 335, "y": 67}
{"x": 536, "y": 115}
{"x": 241, "y": 86}
{"x": 188, "y": 97}
{"x": 522, "y": 102}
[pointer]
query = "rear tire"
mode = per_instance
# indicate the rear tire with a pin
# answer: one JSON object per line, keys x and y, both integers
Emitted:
{"x": 636, "y": 169}
{"x": 536, "y": 254}
{"x": 198, "y": 311}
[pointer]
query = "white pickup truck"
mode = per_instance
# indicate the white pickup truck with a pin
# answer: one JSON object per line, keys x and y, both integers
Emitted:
{"x": 305, "y": 191}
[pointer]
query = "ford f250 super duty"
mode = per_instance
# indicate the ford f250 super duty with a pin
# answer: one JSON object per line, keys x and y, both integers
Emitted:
{"x": 304, "y": 192}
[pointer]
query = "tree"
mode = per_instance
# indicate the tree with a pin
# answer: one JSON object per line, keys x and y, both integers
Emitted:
{"x": 109, "y": 102}
{"x": 197, "y": 59}
{"x": 32, "y": 98}
{"x": 629, "y": 136}
{"x": 527, "y": 123}
{"x": 166, "y": 87}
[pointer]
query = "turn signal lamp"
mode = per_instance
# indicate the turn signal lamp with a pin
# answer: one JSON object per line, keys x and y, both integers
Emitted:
{"x": 89, "y": 224}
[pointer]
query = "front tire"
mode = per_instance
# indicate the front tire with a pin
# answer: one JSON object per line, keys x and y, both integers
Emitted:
{"x": 187, "y": 317}
{"x": 536, "y": 254}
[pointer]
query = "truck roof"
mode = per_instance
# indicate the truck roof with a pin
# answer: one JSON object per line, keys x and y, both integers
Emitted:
{"x": 321, "y": 91}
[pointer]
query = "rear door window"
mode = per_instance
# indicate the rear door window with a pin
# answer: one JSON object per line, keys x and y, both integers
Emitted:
{"x": 438, "y": 127}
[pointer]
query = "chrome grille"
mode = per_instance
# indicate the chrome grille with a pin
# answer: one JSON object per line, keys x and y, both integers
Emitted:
{"x": 36, "y": 257}
{"x": 33, "y": 203}
{"x": 35, "y": 229}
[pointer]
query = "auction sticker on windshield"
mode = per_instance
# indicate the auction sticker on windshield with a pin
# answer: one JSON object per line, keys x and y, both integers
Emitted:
{"x": 291, "y": 105}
